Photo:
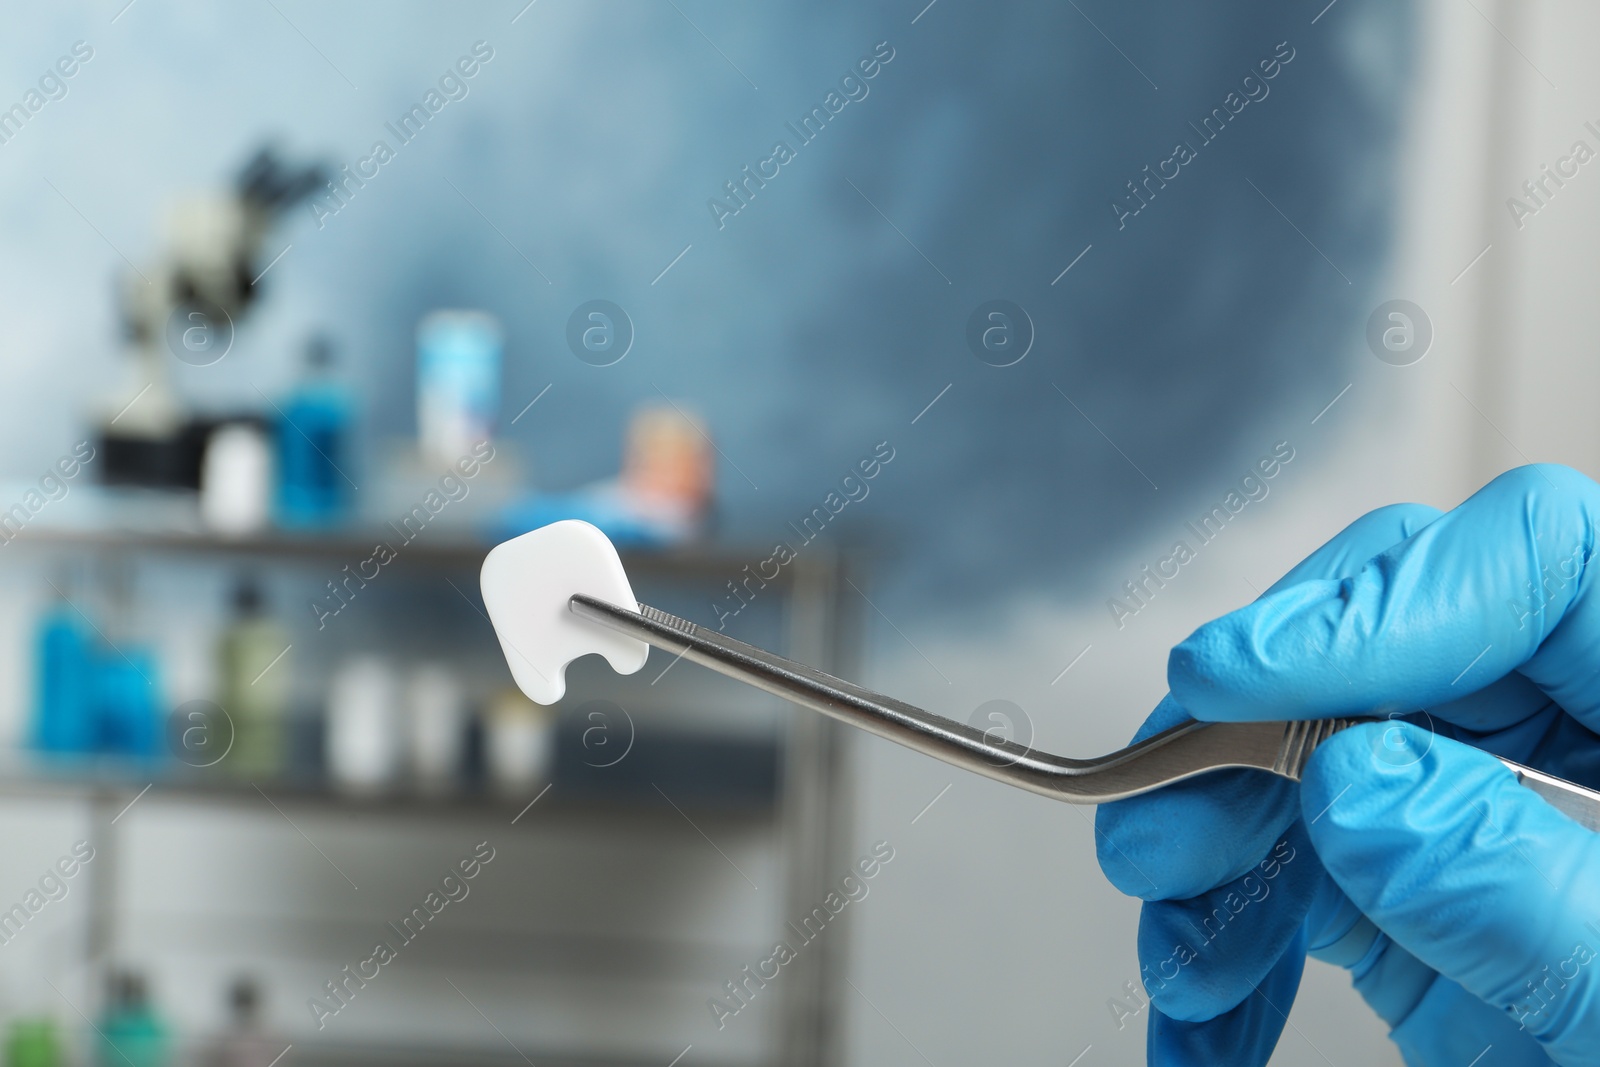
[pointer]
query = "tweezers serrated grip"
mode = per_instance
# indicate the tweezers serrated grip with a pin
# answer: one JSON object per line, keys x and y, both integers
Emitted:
{"x": 1301, "y": 738}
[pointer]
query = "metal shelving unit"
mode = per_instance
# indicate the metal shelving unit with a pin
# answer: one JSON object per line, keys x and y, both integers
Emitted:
{"x": 803, "y": 805}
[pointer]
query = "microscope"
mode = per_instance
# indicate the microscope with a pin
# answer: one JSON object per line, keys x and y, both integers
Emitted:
{"x": 187, "y": 308}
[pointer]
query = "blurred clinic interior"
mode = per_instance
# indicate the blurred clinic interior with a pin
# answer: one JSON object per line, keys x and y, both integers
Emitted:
{"x": 897, "y": 337}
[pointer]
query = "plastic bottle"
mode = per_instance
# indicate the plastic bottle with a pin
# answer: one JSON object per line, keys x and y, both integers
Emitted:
{"x": 458, "y": 382}
{"x": 254, "y": 685}
{"x": 128, "y": 714}
{"x": 244, "y": 1043}
{"x": 363, "y": 730}
{"x": 313, "y": 441}
{"x": 33, "y": 1042}
{"x": 236, "y": 479}
{"x": 436, "y": 706}
{"x": 131, "y": 1034}
{"x": 519, "y": 742}
{"x": 127, "y": 701}
{"x": 64, "y": 708}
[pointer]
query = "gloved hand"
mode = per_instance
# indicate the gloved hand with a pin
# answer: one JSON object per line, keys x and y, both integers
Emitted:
{"x": 1465, "y": 907}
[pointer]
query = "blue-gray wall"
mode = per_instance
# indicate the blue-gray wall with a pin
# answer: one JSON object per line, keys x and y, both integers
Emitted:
{"x": 808, "y": 328}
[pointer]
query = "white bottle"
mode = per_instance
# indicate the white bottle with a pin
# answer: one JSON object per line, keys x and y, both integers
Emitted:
{"x": 436, "y": 707}
{"x": 236, "y": 480}
{"x": 519, "y": 737}
{"x": 363, "y": 738}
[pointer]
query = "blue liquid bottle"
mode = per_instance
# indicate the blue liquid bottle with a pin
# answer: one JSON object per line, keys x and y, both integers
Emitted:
{"x": 64, "y": 709}
{"x": 313, "y": 444}
{"x": 127, "y": 687}
{"x": 128, "y": 702}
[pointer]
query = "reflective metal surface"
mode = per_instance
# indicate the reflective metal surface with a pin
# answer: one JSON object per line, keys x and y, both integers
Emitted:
{"x": 1182, "y": 752}
{"x": 1574, "y": 801}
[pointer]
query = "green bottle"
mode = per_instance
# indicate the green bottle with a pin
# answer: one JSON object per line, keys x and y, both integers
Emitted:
{"x": 33, "y": 1043}
{"x": 254, "y": 672}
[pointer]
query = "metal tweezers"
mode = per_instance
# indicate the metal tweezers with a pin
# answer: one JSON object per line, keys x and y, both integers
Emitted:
{"x": 1173, "y": 755}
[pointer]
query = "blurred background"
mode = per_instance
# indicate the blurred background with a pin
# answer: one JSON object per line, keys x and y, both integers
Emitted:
{"x": 903, "y": 338}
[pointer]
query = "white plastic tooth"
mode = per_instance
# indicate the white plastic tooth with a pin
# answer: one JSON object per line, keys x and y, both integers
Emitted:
{"x": 528, "y": 584}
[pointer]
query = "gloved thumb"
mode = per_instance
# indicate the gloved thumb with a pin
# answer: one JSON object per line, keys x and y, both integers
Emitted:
{"x": 1476, "y": 876}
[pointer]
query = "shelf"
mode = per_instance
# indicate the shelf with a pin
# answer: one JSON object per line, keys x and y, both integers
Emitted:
{"x": 453, "y": 549}
{"x": 713, "y": 775}
{"x": 778, "y": 782}
{"x": 97, "y": 518}
{"x": 442, "y": 550}
{"x": 316, "y": 1054}
{"x": 322, "y": 1053}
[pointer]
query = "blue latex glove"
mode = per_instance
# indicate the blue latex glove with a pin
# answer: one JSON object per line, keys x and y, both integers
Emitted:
{"x": 1466, "y": 908}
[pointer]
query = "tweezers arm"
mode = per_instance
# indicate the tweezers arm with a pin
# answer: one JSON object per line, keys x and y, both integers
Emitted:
{"x": 1185, "y": 750}
{"x": 1574, "y": 801}
{"x": 1181, "y": 752}
{"x": 885, "y": 716}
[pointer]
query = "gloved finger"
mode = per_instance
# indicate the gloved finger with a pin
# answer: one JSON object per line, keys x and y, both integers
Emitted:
{"x": 1134, "y": 839}
{"x": 1451, "y": 1026}
{"x": 1244, "y": 1035}
{"x": 1229, "y": 820}
{"x": 1391, "y": 980}
{"x": 1431, "y": 1018}
{"x": 1552, "y": 741}
{"x": 1201, "y": 957}
{"x": 1474, "y": 875}
{"x": 1497, "y": 706}
{"x": 1501, "y": 583}
{"x": 1544, "y": 736}
{"x": 1347, "y": 551}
